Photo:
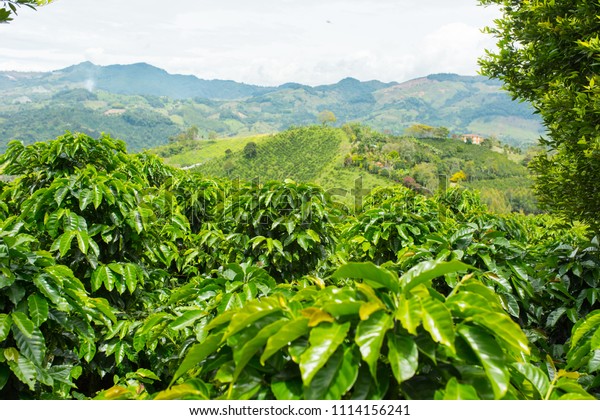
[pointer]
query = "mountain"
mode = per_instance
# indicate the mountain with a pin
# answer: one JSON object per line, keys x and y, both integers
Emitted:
{"x": 145, "y": 105}
{"x": 134, "y": 79}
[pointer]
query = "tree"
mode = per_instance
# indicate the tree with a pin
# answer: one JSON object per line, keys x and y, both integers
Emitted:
{"x": 192, "y": 133}
{"x": 326, "y": 117}
{"x": 250, "y": 150}
{"x": 548, "y": 55}
{"x": 10, "y": 7}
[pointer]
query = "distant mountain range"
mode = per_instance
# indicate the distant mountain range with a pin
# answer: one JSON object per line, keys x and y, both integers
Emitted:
{"x": 145, "y": 105}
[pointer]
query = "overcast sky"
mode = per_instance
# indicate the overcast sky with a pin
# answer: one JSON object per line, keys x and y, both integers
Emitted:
{"x": 265, "y": 42}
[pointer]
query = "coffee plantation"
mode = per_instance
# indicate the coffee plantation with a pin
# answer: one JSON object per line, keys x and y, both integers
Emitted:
{"x": 124, "y": 278}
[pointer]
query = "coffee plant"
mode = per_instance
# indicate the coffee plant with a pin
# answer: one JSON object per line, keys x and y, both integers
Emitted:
{"x": 124, "y": 278}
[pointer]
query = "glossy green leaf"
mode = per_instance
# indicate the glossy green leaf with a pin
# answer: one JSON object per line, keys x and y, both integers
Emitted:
{"x": 457, "y": 391}
{"x": 369, "y": 337}
{"x": 24, "y": 369}
{"x": 33, "y": 346}
{"x": 490, "y": 355}
{"x": 48, "y": 289}
{"x": 324, "y": 340}
{"x": 96, "y": 196}
{"x": 478, "y": 309}
{"x": 591, "y": 322}
{"x": 64, "y": 242}
{"x": 428, "y": 270}
{"x": 191, "y": 390}
{"x": 252, "y": 312}
{"x": 132, "y": 276}
{"x": 38, "y": 309}
{"x": 284, "y": 337}
{"x": 535, "y": 376}
{"x": 196, "y": 354}
{"x": 336, "y": 378}
{"x": 409, "y": 313}
{"x": 243, "y": 356}
{"x": 246, "y": 387}
{"x": 83, "y": 241}
{"x": 374, "y": 276}
{"x": 188, "y": 318}
{"x": 437, "y": 320}
{"x": 5, "y": 324}
{"x": 403, "y": 355}
{"x": 287, "y": 390}
{"x": 103, "y": 306}
{"x": 23, "y": 323}
{"x": 85, "y": 198}
{"x": 103, "y": 275}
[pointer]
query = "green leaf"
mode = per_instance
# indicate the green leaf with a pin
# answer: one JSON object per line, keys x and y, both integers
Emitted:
{"x": 85, "y": 198}
{"x": 456, "y": 391}
{"x": 428, "y": 270}
{"x": 96, "y": 196}
{"x": 132, "y": 275}
{"x": 403, "y": 355}
{"x": 38, "y": 309}
{"x": 409, "y": 313}
{"x": 33, "y": 346}
{"x": 374, "y": 276}
{"x": 591, "y": 322}
{"x": 24, "y": 369}
{"x": 103, "y": 275}
{"x": 490, "y": 355}
{"x": 478, "y": 309}
{"x": 138, "y": 220}
{"x": 251, "y": 313}
{"x": 49, "y": 290}
{"x": 83, "y": 241}
{"x": 192, "y": 389}
{"x": 23, "y": 323}
{"x": 555, "y": 316}
{"x": 65, "y": 241}
{"x": 5, "y": 324}
{"x": 324, "y": 340}
{"x": 535, "y": 376}
{"x": 243, "y": 356}
{"x": 187, "y": 319}
{"x": 4, "y": 375}
{"x": 287, "y": 390}
{"x": 197, "y": 353}
{"x": 103, "y": 306}
{"x": 369, "y": 337}
{"x": 285, "y": 336}
{"x": 325, "y": 377}
{"x": 7, "y": 278}
{"x": 437, "y": 320}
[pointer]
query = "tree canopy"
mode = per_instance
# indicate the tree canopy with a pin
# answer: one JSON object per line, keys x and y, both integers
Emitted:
{"x": 548, "y": 54}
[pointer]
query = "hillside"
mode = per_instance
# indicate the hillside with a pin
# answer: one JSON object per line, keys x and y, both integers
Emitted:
{"x": 350, "y": 161}
{"x": 144, "y": 105}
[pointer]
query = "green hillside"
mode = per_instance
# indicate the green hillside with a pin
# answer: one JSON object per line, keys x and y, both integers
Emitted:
{"x": 349, "y": 162}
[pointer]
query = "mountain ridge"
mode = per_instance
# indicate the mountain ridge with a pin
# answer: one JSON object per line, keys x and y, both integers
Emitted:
{"x": 145, "y": 105}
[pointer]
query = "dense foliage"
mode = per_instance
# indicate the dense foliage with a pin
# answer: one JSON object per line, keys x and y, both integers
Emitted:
{"x": 124, "y": 278}
{"x": 548, "y": 55}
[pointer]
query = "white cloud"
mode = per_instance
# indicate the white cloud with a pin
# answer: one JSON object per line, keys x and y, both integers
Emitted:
{"x": 265, "y": 42}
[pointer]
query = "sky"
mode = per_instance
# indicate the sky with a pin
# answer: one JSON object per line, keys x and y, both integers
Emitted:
{"x": 262, "y": 42}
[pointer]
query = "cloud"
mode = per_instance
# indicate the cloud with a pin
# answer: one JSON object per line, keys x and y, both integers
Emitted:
{"x": 265, "y": 42}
